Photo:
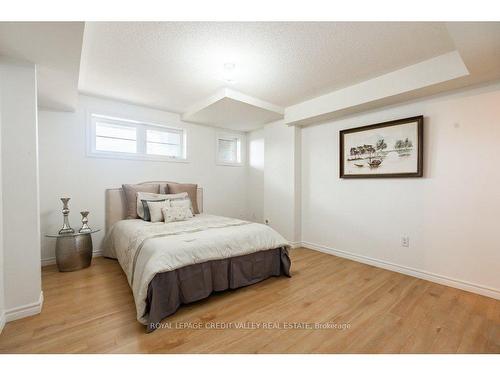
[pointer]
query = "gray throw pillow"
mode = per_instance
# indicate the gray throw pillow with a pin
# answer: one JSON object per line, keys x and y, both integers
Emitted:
{"x": 147, "y": 214}
{"x": 155, "y": 197}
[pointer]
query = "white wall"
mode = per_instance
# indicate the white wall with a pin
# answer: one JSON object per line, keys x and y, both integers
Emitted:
{"x": 20, "y": 204}
{"x": 297, "y": 170}
{"x": 255, "y": 186}
{"x": 66, "y": 170}
{"x": 451, "y": 214}
{"x": 2, "y": 301}
{"x": 280, "y": 201}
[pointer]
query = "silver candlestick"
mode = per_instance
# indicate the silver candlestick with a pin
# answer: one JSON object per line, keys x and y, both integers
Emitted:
{"x": 85, "y": 228}
{"x": 66, "y": 227}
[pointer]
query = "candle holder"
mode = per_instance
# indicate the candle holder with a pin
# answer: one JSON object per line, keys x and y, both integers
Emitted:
{"x": 85, "y": 228}
{"x": 66, "y": 228}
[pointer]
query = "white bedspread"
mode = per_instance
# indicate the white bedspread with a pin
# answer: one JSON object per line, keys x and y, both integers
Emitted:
{"x": 145, "y": 249}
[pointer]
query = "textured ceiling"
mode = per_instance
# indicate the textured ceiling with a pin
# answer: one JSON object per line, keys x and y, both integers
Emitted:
{"x": 172, "y": 65}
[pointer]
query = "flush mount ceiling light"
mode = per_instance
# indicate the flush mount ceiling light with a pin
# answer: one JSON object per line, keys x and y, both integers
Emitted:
{"x": 229, "y": 70}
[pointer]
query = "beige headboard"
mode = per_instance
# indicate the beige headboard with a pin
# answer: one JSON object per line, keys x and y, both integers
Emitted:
{"x": 116, "y": 205}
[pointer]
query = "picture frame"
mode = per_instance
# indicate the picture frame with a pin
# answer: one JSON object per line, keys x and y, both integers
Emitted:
{"x": 389, "y": 149}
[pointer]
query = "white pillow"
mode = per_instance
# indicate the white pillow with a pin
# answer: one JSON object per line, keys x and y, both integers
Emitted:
{"x": 171, "y": 214}
{"x": 155, "y": 197}
{"x": 155, "y": 210}
{"x": 185, "y": 203}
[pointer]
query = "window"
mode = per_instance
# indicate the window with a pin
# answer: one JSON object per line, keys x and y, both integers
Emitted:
{"x": 167, "y": 143}
{"x": 113, "y": 137}
{"x": 228, "y": 149}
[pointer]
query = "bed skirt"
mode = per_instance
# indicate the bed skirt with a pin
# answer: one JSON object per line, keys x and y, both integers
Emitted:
{"x": 169, "y": 290}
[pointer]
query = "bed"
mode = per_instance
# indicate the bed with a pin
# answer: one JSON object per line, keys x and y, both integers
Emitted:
{"x": 171, "y": 264}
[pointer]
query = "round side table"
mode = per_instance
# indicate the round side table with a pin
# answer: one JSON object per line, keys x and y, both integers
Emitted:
{"x": 73, "y": 250}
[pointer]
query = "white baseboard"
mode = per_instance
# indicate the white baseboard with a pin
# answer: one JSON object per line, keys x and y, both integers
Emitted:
{"x": 52, "y": 260}
{"x": 25, "y": 310}
{"x": 439, "y": 279}
{"x": 294, "y": 245}
{"x": 2, "y": 321}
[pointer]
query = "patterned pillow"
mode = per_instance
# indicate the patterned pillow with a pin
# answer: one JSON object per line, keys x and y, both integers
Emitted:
{"x": 185, "y": 202}
{"x": 155, "y": 210}
{"x": 171, "y": 214}
{"x": 191, "y": 189}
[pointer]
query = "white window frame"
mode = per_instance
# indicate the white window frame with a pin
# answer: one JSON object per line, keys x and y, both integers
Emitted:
{"x": 141, "y": 141}
{"x": 239, "y": 150}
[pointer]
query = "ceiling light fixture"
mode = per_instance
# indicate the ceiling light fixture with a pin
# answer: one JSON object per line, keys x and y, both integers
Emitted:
{"x": 229, "y": 69}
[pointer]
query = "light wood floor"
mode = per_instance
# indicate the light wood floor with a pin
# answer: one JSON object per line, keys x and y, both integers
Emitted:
{"x": 92, "y": 311}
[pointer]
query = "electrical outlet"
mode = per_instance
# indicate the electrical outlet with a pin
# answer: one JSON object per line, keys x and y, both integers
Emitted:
{"x": 405, "y": 241}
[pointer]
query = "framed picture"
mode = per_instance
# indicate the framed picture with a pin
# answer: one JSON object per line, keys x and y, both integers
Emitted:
{"x": 389, "y": 149}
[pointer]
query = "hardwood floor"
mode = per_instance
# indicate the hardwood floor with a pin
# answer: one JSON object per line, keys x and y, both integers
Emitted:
{"x": 92, "y": 311}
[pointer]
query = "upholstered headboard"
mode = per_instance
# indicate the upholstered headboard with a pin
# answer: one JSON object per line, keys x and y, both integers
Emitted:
{"x": 116, "y": 204}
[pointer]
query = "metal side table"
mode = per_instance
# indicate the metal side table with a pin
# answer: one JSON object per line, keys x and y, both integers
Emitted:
{"x": 73, "y": 250}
